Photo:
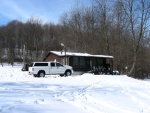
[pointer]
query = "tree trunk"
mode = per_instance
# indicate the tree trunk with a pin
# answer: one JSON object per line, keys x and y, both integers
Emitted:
{"x": 130, "y": 74}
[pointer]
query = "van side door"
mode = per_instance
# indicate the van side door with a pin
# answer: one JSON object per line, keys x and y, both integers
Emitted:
{"x": 53, "y": 68}
{"x": 61, "y": 69}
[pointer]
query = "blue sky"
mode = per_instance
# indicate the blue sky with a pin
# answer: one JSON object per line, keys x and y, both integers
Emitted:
{"x": 46, "y": 10}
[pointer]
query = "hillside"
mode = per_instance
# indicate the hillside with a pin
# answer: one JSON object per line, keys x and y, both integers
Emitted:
{"x": 22, "y": 93}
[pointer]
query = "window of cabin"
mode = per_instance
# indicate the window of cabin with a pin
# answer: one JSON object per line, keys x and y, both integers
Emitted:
{"x": 82, "y": 62}
{"x": 100, "y": 62}
{"x": 75, "y": 62}
{"x": 79, "y": 62}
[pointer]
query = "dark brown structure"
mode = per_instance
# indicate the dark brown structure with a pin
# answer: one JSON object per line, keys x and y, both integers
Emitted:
{"x": 81, "y": 62}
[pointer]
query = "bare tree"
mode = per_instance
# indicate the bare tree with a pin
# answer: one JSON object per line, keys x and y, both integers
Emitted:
{"x": 76, "y": 24}
{"x": 33, "y": 38}
{"x": 50, "y": 38}
{"x": 11, "y": 41}
{"x": 89, "y": 24}
{"x": 1, "y": 46}
{"x": 138, "y": 12}
{"x": 71, "y": 30}
{"x": 119, "y": 37}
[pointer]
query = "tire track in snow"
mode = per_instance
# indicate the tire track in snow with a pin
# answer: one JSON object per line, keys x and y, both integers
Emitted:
{"x": 74, "y": 98}
{"x": 86, "y": 100}
{"x": 81, "y": 99}
{"x": 144, "y": 107}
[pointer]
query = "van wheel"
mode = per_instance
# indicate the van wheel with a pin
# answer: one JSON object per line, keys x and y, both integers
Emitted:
{"x": 67, "y": 73}
{"x": 41, "y": 74}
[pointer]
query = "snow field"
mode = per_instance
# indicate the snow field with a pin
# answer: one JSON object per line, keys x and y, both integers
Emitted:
{"x": 23, "y": 93}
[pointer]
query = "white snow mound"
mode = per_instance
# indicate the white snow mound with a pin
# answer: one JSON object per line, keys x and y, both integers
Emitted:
{"x": 23, "y": 93}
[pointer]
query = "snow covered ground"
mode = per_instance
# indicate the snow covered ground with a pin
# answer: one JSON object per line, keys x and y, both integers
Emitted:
{"x": 22, "y": 93}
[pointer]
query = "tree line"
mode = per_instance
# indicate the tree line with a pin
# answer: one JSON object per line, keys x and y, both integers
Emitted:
{"x": 111, "y": 27}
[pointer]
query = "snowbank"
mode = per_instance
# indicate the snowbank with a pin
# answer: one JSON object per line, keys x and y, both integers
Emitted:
{"x": 22, "y": 93}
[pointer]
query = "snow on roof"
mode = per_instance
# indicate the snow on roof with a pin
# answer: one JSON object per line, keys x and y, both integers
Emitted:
{"x": 102, "y": 56}
{"x": 59, "y": 53}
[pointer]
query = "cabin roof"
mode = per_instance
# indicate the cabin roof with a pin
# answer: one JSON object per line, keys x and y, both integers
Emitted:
{"x": 60, "y": 53}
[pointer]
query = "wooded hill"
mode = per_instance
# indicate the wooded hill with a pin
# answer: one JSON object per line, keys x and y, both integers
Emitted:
{"x": 119, "y": 28}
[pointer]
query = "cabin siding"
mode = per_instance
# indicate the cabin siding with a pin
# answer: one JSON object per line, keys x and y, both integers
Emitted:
{"x": 53, "y": 57}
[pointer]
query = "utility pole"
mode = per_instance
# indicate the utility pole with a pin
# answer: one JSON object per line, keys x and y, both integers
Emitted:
{"x": 65, "y": 56}
{"x": 65, "y": 52}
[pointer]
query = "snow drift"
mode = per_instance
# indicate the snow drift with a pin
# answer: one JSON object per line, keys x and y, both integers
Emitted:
{"x": 23, "y": 93}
